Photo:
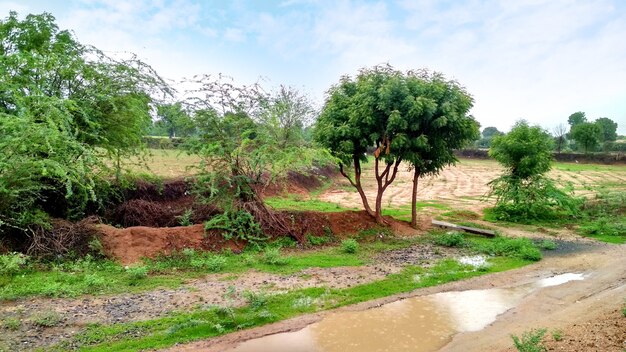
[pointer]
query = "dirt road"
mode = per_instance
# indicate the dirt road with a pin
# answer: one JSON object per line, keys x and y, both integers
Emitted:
{"x": 585, "y": 311}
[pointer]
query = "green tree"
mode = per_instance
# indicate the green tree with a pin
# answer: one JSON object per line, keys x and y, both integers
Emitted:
{"x": 175, "y": 120}
{"x": 523, "y": 192}
{"x": 608, "y": 129}
{"x": 405, "y": 116}
{"x": 587, "y": 134}
{"x": 63, "y": 107}
{"x": 560, "y": 137}
{"x": 286, "y": 114}
{"x": 576, "y": 119}
{"x": 487, "y": 136}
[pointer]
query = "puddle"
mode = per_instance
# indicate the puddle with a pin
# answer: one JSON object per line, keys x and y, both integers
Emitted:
{"x": 424, "y": 323}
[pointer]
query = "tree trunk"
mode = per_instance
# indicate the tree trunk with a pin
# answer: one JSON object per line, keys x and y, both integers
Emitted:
{"x": 416, "y": 175}
{"x": 357, "y": 184}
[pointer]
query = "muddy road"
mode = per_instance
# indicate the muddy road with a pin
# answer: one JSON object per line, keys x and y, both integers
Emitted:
{"x": 577, "y": 293}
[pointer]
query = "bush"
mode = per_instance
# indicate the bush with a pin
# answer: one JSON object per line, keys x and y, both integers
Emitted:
{"x": 272, "y": 256}
{"x": 450, "y": 239}
{"x": 319, "y": 240}
{"x": 137, "y": 272}
{"x": 530, "y": 341}
{"x": 12, "y": 263}
{"x": 350, "y": 246}
{"x": 522, "y": 248}
{"x": 256, "y": 301}
{"x": 213, "y": 263}
{"x": 238, "y": 224}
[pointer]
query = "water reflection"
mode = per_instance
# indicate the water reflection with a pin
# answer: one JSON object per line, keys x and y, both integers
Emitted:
{"x": 417, "y": 324}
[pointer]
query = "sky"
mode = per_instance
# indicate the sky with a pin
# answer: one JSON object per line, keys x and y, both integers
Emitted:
{"x": 539, "y": 60}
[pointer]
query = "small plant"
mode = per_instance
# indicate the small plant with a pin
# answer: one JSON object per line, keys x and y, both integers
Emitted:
{"x": 11, "y": 323}
{"x": 94, "y": 280}
{"x": 303, "y": 302}
{"x": 47, "y": 319}
{"x": 318, "y": 240}
{"x": 256, "y": 301}
{"x": 11, "y": 263}
{"x": 547, "y": 245}
{"x": 557, "y": 335}
{"x": 450, "y": 239}
{"x": 213, "y": 263}
{"x": 96, "y": 247}
{"x": 530, "y": 341}
{"x": 272, "y": 256}
{"x": 185, "y": 218}
{"x": 350, "y": 246}
{"x": 137, "y": 272}
{"x": 237, "y": 224}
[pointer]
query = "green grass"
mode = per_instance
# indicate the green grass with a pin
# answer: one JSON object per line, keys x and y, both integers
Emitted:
{"x": 205, "y": 323}
{"x": 404, "y": 212}
{"x": 298, "y": 204}
{"x": 98, "y": 277}
{"x": 587, "y": 167}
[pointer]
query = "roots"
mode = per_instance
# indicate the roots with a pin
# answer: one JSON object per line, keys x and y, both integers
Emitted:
{"x": 63, "y": 238}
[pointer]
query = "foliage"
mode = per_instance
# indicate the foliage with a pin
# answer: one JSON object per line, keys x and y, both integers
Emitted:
{"x": 319, "y": 240}
{"x": 547, "y": 245}
{"x": 487, "y": 137}
{"x": 350, "y": 246}
{"x": 185, "y": 218}
{"x": 238, "y": 224}
{"x": 63, "y": 106}
{"x": 557, "y": 335}
{"x": 137, "y": 272}
{"x": 588, "y": 135}
{"x": 576, "y": 119}
{"x": 272, "y": 256}
{"x": 523, "y": 193}
{"x": 11, "y": 263}
{"x": 415, "y": 116}
{"x": 522, "y": 248}
{"x": 608, "y": 129}
{"x": 450, "y": 239}
{"x": 174, "y": 120}
{"x": 530, "y": 341}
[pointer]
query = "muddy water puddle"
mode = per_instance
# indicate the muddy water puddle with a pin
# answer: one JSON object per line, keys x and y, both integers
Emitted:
{"x": 424, "y": 323}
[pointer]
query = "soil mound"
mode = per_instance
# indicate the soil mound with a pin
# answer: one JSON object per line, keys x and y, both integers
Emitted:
{"x": 131, "y": 244}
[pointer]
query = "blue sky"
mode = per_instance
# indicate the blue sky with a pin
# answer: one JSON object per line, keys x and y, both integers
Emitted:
{"x": 535, "y": 59}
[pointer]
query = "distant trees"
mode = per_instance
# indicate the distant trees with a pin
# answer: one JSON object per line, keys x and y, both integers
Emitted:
{"x": 174, "y": 120}
{"x": 587, "y": 134}
{"x": 608, "y": 129}
{"x": 487, "y": 136}
{"x": 413, "y": 116}
{"x": 560, "y": 137}
{"x": 576, "y": 119}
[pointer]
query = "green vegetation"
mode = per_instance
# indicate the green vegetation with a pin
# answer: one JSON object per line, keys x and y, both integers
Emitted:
{"x": 11, "y": 323}
{"x": 349, "y": 246}
{"x": 296, "y": 203}
{"x": 557, "y": 335}
{"x": 450, "y": 239}
{"x": 47, "y": 319}
{"x": 547, "y": 245}
{"x": 531, "y": 341}
{"x": 264, "y": 309}
{"x": 523, "y": 193}
{"x": 414, "y": 116}
{"x": 511, "y": 247}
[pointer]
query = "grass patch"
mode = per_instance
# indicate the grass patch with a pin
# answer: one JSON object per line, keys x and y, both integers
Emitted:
{"x": 261, "y": 310}
{"x": 404, "y": 212}
{"x": 298, "y": 204}
{"x": 530, "y": 341}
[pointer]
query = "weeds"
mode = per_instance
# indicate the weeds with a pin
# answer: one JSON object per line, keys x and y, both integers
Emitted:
{"x": 319, "y": 240}
{"x": 47, "y": 319}
{"x": 450, "y": 239}
{"x": 11, "y": 323}
{"x": 272, "y": 256}
{"x": 547, "y": 245}
{"x": 557, "y": 335}
{"x": 12, "y": 263}
{"x": 185, "y": 218}
{"x": 350, "y": 246}
{"x": 530, "y": 341}
{"x": 136, "y": 273}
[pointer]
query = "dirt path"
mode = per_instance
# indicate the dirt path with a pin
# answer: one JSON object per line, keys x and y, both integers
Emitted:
{"x": 207, "y": 291}
{"x": 565, "y": 307}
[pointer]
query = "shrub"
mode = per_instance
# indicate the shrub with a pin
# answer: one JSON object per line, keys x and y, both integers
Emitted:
{"x": 185, "y": 218}
{"x": 238, "y": 224}
{"x": 319, "y": 240}
{"x": 350, "y": 246}
{"x": 213, "y": 263}
{"x": 11, "y": 263}
{"x": 137, "y": 272}
{"x": 256, "y": 301}
{"x": 530, "y": 341}
{"x": 511, "y": 247}
{"x": 272, "y": 256}
{"x": 450, "y": 239}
